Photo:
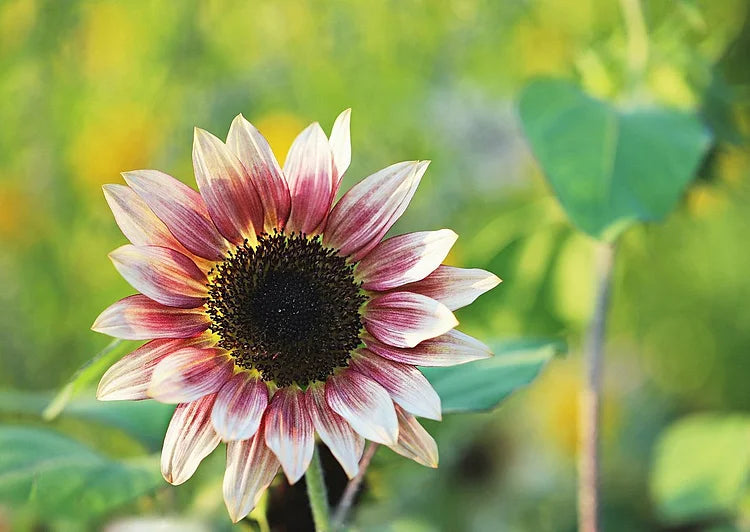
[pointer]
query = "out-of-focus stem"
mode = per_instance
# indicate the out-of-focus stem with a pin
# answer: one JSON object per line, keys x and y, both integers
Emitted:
{"x": 590, "y": 399}
{"x": 347, "y": 499}
{"x": 317, "y": 494}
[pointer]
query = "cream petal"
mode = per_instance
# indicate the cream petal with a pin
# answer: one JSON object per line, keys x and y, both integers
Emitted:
{"x": 189, "y": 439}
{"x": 289, "y": 432}
{"x": 128, "y": 378}
{"x": 189, "y": 374}
{"x": 414, "y": 441}
{"x": 345, "y": 444}
{"x": 405, "y": 383}
{"x": 165, "y": 275}
{"x": 449, "y": 349}
{"x": 455, "y": 287}
{"x": 139, "y": 318}
{"x": 404, "y": 319}
{"x": 404, "y": 259}
{"x": 364, "y": 214}
{"x": 239, "y": 407}
{"x": 226, "y": 187}
{"x": 311, "y": 176}
{"x": 364, "y": 404}
{"x": 255, "y": 154}
{"x": 181, "y": 209}
{"x": 251, "y": 467}
{"x": 341, "y": 145}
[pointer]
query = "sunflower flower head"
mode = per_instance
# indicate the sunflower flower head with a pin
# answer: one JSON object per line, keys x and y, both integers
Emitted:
{"x": 274, "y": 313}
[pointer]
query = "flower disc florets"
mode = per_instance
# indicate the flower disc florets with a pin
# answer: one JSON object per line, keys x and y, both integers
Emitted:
{"x": 288, "y": 307}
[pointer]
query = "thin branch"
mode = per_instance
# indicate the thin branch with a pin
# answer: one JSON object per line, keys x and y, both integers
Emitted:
{"x": 590, "y": 399}
{"x": 347, "y": 499}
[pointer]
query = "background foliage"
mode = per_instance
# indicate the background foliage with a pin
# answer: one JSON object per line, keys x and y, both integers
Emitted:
{"x": 92, "y": 88}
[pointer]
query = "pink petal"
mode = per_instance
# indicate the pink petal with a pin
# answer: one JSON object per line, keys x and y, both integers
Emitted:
{"x": 140, "y": 225}
{"x": 128, "y": 378}
{"x": 239, "y": 407}
{"x": 165, "y": 275}
{"x": 404, "y": 259}
{"x": 341, "y": 145}
{"x": 256, "y": 156}
{"x": 189, "y": 374}
{"x": 139, "y": 318}
{"x": 364, "y": 404}
{"x": 311, "y": 176}
{"x": 414, "y": 442}
{"x": 289, "y": 432}
{"x": 227, "y": 188}
{"x": 449, "y": 349}
{"x": 406, "y": 384}
{"x": 455, "y": 287}
{"x": 365, "y": 213}
{"x": 404, "y": 319}
{"x": 189, "y": 439}
{"x": 251, "y": 466}
{"x": 345, "y": 444}
{"x": 181, "y": 209}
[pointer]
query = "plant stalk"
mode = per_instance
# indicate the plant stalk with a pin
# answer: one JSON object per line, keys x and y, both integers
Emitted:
{"x": 317, "y": 494}
{"x": 590, "y": 397}
{"x": 347, "y": 499}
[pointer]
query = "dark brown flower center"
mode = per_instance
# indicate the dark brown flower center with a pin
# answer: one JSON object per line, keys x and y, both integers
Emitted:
{"x": 288, "y": 307}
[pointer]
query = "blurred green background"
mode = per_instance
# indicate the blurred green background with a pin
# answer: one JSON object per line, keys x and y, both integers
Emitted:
{"x": 92, "y": 88}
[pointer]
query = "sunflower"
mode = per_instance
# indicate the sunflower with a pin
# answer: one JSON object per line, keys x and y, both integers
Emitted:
{"x": 274, "y": 313}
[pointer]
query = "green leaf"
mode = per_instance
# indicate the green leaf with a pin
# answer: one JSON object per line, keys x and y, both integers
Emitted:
{"x": 144, "y": 420}
{"x": 85, "y": 377}
{"x": 481, "y": 385}
{"x": 60, "y": 477}
{"x": 701, "y": 467}
{"x": 610, "y": 168}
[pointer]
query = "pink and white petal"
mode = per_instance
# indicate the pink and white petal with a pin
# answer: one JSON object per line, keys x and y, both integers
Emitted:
{"x": 165, "y": 275}
{"x": 181, "y": 209}
{"x": 312, "y": 178}
{"x": 255, "y": 154}
{"x": 189, "y": 439}
{"x": 190, "y": 373}
{"x": 414, "y": 441}
{"x": 128, "y": 378}
{"x": 138, "y": 317}
{"x": 364, "y": 214}
{"x": 406, "y": 384}
{"x": 345, "y": 444}
{"x": 239, "y": 407}
{"x": 251, "y": 467}
{"x": 365, "y": 404}
{"x": 449, "y": 349}
{"x": 226, "y": 187}
{"x": 404, "y": 319}
{"x": 404, "y": 259}
{"x": 289, "y": 432}
{"x": 341, "y": 145}
{"x": 455, "y": 287}
{"x": 140, "y": 225}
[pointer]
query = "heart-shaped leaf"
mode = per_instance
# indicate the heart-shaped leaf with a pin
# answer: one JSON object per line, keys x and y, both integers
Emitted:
{"x": 610, "y": 167}
{"x": 481, "y": 385}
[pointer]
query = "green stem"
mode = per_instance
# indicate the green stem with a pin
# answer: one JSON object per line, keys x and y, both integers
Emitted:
{"x": 316, "y": 493}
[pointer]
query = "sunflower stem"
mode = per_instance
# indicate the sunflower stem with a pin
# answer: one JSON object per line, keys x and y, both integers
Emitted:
{"x": 590, "y": 398}
{"x": 347, "y": 499}
{"x": 317, "y": 494}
